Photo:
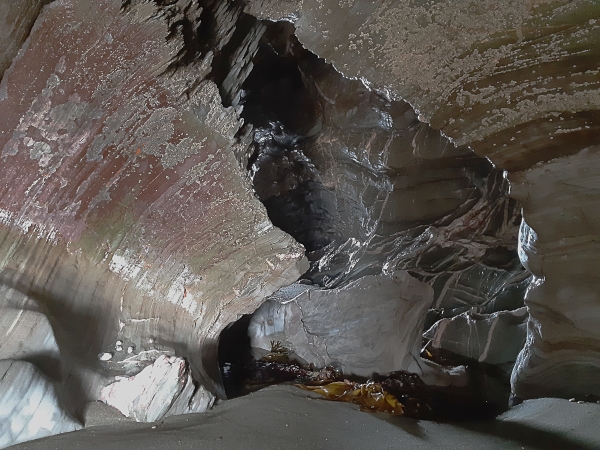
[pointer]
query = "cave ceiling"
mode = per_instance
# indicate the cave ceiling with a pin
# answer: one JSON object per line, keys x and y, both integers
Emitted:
{"x": 363, "y": 178}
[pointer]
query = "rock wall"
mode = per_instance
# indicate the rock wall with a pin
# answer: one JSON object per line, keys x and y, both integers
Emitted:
{"x": 518, "y": 83}
{"x": 136, "y": 206}
{"x": 123, "y": 212}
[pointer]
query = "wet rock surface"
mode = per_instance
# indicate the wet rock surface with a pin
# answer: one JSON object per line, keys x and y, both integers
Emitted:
{"x": 167, "y": 166}
{"x": 371, "y": 325}
{"x": 515, "y": 81}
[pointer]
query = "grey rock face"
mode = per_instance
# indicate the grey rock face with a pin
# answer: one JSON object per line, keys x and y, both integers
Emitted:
{"x": 518, "y": 83}
{"x": 16, "y": 19}
{"x": 371, "y": 325}
{"x": 29, "y": 407}
{"x": 559, "y": 244}
{"x": 490, "y": 338}
{"x": 26, "y": 334}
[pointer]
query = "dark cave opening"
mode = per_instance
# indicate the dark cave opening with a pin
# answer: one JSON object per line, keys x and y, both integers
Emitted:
{"x": 285, "y": 113}
{"x": 235, "y": 356}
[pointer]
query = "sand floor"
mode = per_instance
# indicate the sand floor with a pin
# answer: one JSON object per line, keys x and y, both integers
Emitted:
{"x": 284, "y": 417}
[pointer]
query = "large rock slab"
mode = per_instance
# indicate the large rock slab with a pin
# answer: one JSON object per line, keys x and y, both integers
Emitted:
{"x": 371, "y": 325}
{"x": 162, "y": 389}
{"x": 522, "y": 97}
{"x": 123, "y": 210}
{"x": 489, "y": 338}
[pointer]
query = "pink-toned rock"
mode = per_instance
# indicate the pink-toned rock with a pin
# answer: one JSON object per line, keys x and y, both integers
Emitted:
{"x": 122, "y": 206}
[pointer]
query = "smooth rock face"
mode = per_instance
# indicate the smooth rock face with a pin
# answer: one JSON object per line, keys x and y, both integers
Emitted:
{"x": 29, "y": 407}
{"x": 371, "y": 325}
{"x": 558, "y": 243}
{"x": 123, "y": 210}
{"x": 162, "y": 389}
{"x": 518, "y": 83}
{"x": 489, "y": 338}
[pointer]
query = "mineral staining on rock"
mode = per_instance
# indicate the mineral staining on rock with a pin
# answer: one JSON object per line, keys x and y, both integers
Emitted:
{"x": 123, "y": 211}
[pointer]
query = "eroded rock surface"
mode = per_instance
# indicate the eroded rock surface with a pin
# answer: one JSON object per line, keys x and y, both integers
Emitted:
{"x": 558, "y": 243}
{"x": 164, "y": 388}
{"x": 29, "y": 406}
{"x": 123, "y": 211}
{"x": 371, "y": 325}
{"x": 488, "y": 338}
{"x": 518, "y": 83}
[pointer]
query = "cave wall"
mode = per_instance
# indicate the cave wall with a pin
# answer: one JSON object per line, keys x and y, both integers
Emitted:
{"x": 128, "y": 216}
{"x": 123, "y": 211}
{"x": 518, "y": 83}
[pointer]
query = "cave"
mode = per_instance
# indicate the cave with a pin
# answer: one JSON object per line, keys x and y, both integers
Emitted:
{"x": 216, "y": 217}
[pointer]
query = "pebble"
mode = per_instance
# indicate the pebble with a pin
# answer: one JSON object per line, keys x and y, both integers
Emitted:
{"x": 107, "y": 356}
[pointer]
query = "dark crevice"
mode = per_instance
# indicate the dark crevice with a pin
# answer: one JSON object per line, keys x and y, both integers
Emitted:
{"x": 286, "y": 114}
{"x": 223, "y": 60}
{"x": 234, "y": 356}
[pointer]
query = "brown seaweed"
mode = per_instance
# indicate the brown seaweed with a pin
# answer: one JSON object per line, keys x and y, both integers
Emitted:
{"x": 371, "y": 396}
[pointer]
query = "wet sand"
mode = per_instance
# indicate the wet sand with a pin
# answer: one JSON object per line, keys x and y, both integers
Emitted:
{"x": 284, "y": 417}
